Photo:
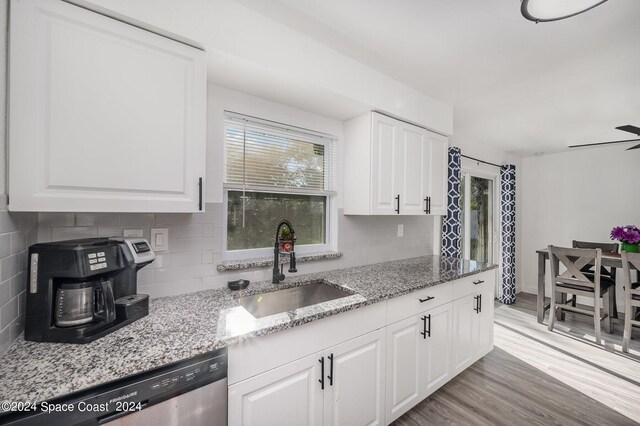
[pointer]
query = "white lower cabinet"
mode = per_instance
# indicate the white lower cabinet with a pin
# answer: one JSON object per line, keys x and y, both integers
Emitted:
{"x": 337, "y": 371}
{"x": 472, "y": 328}
{"x": 287, "y": 395}
{"x": 418, "y": 358}
{"x": 343, "y": 385}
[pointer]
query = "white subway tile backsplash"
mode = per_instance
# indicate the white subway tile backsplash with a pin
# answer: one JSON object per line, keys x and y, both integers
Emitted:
{"x": 9, "y": 222}
{"x": 18, "y": 283}
{"x": 5, "y": 292}
{"x": 9, "y": 312}
{"x": 137, "y": 219}
{"x": 72, "y": 233}
{"x": 56, "y": 219}
{"x": 186, "y": 258}
{"x": 5, "y": 338}
{"x": 18, "y": 241}
{"x": 10, "y": 266}
{"x": 192, "y": 244}
{"x": 190, "y": 231}
{"x": 207, "y": 256}
{"x": 171, "y": 288}
{"x": 97, "y": 219}
{"x": 5, "y": 245}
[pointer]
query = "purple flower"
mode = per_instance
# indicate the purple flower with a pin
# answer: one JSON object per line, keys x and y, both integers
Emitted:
{"x": 626, "y": 234}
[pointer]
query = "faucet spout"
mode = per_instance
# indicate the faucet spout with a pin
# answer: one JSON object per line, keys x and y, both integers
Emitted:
{"x": 285, "y": 243}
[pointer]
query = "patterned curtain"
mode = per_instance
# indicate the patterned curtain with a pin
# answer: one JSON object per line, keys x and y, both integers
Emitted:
{"x": 508, "y": 227}
{"x": 452, "y": 223}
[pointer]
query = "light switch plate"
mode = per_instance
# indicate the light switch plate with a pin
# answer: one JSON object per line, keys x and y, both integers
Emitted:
{"x": 133, "y": 233}
{"x": 400, "y": 230}
{"x": 159, "y": 239}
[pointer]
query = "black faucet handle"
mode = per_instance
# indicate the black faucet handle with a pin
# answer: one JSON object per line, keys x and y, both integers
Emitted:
{"x": 292, "y": 262}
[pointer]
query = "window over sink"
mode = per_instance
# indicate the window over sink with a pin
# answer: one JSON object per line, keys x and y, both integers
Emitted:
{"x": 275, "y": 171}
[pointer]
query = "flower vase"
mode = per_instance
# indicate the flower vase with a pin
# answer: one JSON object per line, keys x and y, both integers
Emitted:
{"x": 629, "y": 247}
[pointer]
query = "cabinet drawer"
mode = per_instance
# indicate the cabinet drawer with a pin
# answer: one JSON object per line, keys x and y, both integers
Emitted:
{"x": 410, "y": 304}
{"x": 474, "y": 284}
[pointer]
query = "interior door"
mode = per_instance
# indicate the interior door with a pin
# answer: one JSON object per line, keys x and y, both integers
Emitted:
{"x": 403, "y": 365}
{"x": 413, "y": 169}
{"x": 355, "y": 393}
{"x": 384, "y": 185}
{"x": 286, "y": 396}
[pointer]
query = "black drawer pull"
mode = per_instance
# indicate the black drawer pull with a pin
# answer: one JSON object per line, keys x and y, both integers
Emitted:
{"x": 398, "y": 201}
{"x": 321, "y": 380}
{"x": 477, "y": 303}
{"x": 427, "y": 299}
{"x": 478, "y": 282}
{"x": 424, "y": 326}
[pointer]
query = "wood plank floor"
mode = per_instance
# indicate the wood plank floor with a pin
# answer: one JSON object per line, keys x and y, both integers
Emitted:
{"x": 537, "y": 377}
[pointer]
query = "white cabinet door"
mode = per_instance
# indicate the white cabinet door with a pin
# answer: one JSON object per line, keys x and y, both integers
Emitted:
{"x": 104, "y": 116}
{"x": 435, "y": 357}
{"x": 355, "y": 394}
{"x": 438, "y": 172}
{"x": 464, "y": 317}
{"x": 404, "y": 358}
{"x": 413, "y": 169}
{"x": 384, "y": 159}
{"x": 484, "y": 324}
{"x": 288, "y": 395}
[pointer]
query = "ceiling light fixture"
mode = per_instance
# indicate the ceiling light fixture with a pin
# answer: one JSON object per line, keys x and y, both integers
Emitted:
{"x": 554, "y": 10}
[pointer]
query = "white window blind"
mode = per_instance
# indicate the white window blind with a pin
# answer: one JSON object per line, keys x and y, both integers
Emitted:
{"x": 263, "y": 155}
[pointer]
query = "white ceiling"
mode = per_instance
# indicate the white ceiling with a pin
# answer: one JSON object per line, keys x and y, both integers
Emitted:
{"x": 515, "y": 85}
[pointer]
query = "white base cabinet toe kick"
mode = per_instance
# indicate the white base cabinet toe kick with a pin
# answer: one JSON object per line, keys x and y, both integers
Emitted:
{"x": 363, "y": 367}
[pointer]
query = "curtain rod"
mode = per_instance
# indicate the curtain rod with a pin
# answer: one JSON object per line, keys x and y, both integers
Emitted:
{"x": 481, "y": 161}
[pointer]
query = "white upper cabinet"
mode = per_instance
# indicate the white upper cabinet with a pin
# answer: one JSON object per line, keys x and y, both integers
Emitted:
{"x": 103, "y": 116}
{"x": 392, "y": 167}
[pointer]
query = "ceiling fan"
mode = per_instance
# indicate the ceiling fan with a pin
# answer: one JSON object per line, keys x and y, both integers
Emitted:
{"x": 628, "y": 128}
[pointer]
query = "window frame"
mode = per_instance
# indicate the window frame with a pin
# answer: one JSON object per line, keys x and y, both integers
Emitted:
{"x": 329, "y": 143}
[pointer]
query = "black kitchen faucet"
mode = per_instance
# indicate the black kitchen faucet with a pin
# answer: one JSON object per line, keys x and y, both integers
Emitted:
{"x": 285, "y": 243}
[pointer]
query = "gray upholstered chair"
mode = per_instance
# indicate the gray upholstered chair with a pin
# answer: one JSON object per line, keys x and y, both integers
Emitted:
{"x": 575, "y": 282}
{"x": 631, "y": 297}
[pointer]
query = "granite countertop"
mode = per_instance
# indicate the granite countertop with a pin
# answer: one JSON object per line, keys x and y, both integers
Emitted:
{"x": 180, "y": 327}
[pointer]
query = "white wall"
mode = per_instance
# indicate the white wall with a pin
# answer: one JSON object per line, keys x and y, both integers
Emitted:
{"x": 577, "y": 195}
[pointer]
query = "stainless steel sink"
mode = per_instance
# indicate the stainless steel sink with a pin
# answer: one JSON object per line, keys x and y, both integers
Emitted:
{"x": 288, "y": 299}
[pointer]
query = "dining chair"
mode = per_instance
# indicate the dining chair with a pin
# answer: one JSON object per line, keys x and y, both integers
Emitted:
{"x": 606, "y": 275}
{"x": 575, "y": 282}
{"x": 631, "y": 297}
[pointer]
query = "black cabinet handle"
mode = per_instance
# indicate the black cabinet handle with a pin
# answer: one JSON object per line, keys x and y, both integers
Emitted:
{"x": 330, "y": 376}
{"x": 479, "y": 303}
{"x": 476, "y": 308}
{"x": 200, "y": 194}
{"x": 424, "y": 327}
{"x": 321, "y": 379}
{"x": 478, "y": 282}
{"x": 427, "y": 299}
{"x": 426, "y": 205}
{"x": 398, "y": 201}
{"x": 429, "y": 326}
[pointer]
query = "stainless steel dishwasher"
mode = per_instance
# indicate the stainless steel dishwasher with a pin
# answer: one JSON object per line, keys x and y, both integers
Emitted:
{"x": 191, "y": 392}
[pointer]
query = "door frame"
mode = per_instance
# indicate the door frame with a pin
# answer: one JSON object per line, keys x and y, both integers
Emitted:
{"x": 472, "y": 168}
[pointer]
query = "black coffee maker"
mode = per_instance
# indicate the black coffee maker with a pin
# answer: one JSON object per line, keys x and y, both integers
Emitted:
{"x": 81, "y": 290}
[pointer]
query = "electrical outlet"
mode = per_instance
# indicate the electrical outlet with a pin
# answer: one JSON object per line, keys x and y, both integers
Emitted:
{"x": 400, "y": 230}
{"x": 159, "y": 239}
{"x": 133, "y": 233}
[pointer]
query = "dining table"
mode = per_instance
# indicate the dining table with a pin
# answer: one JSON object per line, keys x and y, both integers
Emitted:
{"x": 609, "y": 259}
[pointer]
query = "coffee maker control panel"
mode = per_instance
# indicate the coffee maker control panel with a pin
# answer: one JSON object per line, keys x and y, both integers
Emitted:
{"x": 97, "y": 260}
{"x": 139, "y": 249}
